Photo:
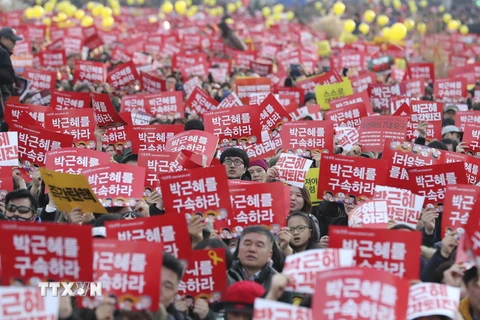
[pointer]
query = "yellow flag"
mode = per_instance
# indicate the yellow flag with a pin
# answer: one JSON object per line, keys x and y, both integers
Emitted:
{"x": 401, "y": 63}
{"x": 311, "y": 183}
{"x": 70, "y": 191}
{"x": 323, "y": 48}
{"x": 326, "y": 93}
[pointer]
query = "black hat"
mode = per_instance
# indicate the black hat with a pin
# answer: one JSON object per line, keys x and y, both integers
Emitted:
{"x": 10, "y": 33}
{"x": 310, "y": 96}
{"x": 235, "y": 152}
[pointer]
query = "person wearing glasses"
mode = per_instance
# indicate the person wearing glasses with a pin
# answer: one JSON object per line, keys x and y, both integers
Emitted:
{"x": 21, "y": 206}
{"x": 236, "y": 163}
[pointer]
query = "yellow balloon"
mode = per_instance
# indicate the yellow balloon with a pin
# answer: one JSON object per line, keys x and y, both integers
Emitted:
{"x": 349, "y": 25}
{"x": 130, "y": 2}
{"x": 152, "y": 19}
{"x": 409, "y": 23}
{"x": 364, "y": 28}
{"x": 167, "y": 7}
{"x": 47, "y": 21}
{"x": 140, "y": 1}
{"x": 277, "y": 16}
{"x": 290, "y": 15}
{"x": 70, "y": 10}
{"x": 39, "y": 2}
{"x": 231, "y": 7}
{"x": 464, "y": 29}
{"x": 49, "y": 6}
{"x": 413, "y": 8}
{"x": 447, "y": 17}
{"x": 192, "y": 11}
{"x": 96, "y": 11}
{"x": 87, "y": 21}
{"x": 338, "y": 8}
{"x": 38, "y": 11}
{"x": 181, "y": 7}
{"x": 220, "y": 11}
{"x": 239, "y": 4}
{"x": 116, "y": 11}
{"x": 278, "y": 8}
{"x": 29, "y": 13}
{"x": 318, "y": 5}
{"x": 90, "y": 5}
{"x": 106, "y": 12}
{"x": 453, "y": 25}
{"x": 397, "y": 4}
{"x": 423, "y": 3}
{"x": 79, "y": 14}
{"x": 398, "y": 32}
{"x": 422, "y": 27}
{"x": 441, "y": 8}
{"x": 108, "y": 22}
{"x": 266, "y": 11}
{"x": 62, "y": 16}
{"x": 386, "y": 32}
{"x": 369, "y": 16}
{"x": 382, "y": 20}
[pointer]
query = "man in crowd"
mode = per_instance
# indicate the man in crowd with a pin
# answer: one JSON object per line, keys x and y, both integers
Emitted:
{"x": 8, "y": 39}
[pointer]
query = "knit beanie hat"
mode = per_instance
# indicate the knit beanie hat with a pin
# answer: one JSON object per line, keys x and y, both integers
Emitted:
{"x": 235, "y": 152}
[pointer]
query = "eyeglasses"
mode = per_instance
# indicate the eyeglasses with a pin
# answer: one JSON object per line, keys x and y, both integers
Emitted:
{"x": 236, "y": 162}
{"x": 300, "y": 229}
{"x": 20, "y": 209}
{"x": 129, "y": 215}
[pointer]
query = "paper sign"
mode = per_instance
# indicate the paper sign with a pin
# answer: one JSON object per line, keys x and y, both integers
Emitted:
{"x": 153, "y": 137}
{"x": 302, "y": 267}
{"x": 27, "y": 303}
{"x": 197, "y": 141}
{"x": 90, "y": 71}
{"x": 40, "y": 79}
{"x": 421, "y": 71}
{"x": 71, "y": 191}
{"x": 151, "y": 84}
{"x": 272, "y": 117}
{"x": 348, "y": 116}
{"x": 471, "y": 136}
{"x": 311, "y": 183}
{"x": 62, "y": 100}
{"x": 306, "y": 138}
{"x": 155, "y": 163}
{"x": 326, "y": 93}
{"x": 78, "y": 123}
{"x": 346, "y": 137}
{"x": 353, "y": 99}
{"x": 426, "y": 111}
{"x": 462, "y": 118}
{"x": 373, "y": 131}
{"x": 372, "y": 214}
{"x": 8, "y": 148}
{"x": 458, "y": 205}
{"x": 387, "y": 250}
{"x": 432, "y": 300}
{"x": 273, "y": 310}
{"x": 247, "y": 87}
{"x": 68, "y": 254}
{"x": 451, "y": 90}
{"x": 123, "y": 75}
{"x": 309, "y": 84}
{"x": 13, "y": 112}
{"x": 293, "y": 169}
{"x": 200, "y": 102}
{"x": 74, "y": 160}
{"x": 232, "y": 100}
{"x": 105, "y": 113}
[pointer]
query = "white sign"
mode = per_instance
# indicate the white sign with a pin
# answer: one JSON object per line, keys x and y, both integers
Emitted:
{"x": 27, "y": 303}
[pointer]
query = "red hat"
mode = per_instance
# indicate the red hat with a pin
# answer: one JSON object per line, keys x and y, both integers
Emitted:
{"x": 240, "y": 296}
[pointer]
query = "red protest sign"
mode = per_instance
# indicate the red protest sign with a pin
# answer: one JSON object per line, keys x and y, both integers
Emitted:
{"x": 360, "y": 83}
{"x": 139, "y": 286}
{"x": 374, "y": 131}
{"x": 90, "y": 71}
{"x": 6, "y": 181}
{"x": 348, "y": 60}
{"x": 75, "y": 160}
{"x": 452, "y": 90}
{"x": 272, "y": 116}
{"x": 105, "y": 113}
{"x": 309, "y": 84}
{"x": 67, "y": 257}
{"x": 414, "y": 88}
{"x": 203, "y": 190}
{"x": 261, "y": 67}
{"x": 27, "y": 303}
{"x": 206, "y": 275}
{"x": 79, "y": 123}
{"x": 471, "y": 136}
{"x": 399, "y": 102}
{"x": 196, "y": 141}
{"x": 155, "y": 163}
{"x": 348, "y": 116}
{"x": 426, "y": 111}
{"x": 381, "y": 94}
{"x": 471, "y": 164}
{"x": 200, "y": 102}
{"x": 306, "y": 138}
{"x": 356, "y": 177}
{"x": 40, "y": 79}
{"x": 171, "y": 232}
{"x": 8, "y": 148}
{"x": 273, "y": 310}
{"x": 431, "y": 182}
{"x": 433, "y": 299}
{"x": 123, "y": 75}
{"x": 13, "y": 112}
{"x": 52, "y": 58}
{"x": 302, "y": 267}
{"x": 421, "y": 71}
{"x": 116, "y": 185}
{"x": 242, "y": 59}
{"x": 385, "y": 294}
{"x": 353, "y": 99}
{"x": 117, "y": 137}
{"x": 250, "y": 87}
{"x": 166, "y": 105}
{"x": 371, "y": 214}
{"x": 259, "y": 204}
{"x": 153, "y": 137}
{"x": 379, "y": 249}
{"x": 458, "y": 205}
{"x": 462, "y": 118}
{"x": 33, "y": 143}
{"x": 151, "y": 84}
{"x": 346, "y": 137}
{"x": 62, "y": 100}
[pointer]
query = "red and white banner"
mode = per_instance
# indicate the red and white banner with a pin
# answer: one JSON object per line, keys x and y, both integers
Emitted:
{"x": 62, "y": 100}
{"x": 75, "y": 160}
{"x": 27, "y": 303}
{"x": 292, "y": 169}
{"x": 153, "y": 137}
{"x": 196, "y": 141}
{"x": 90, "y": 71}
{"x": 433, "y": 300}
{"x": 458, "y": 205}
{"x": 374, "y": 131}
{"x": 306, "y": 138}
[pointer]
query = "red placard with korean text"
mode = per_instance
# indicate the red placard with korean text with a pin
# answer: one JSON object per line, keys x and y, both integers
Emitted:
{"x": 8, "y": 148}
{"x": 360, "y": 83}
{"x": 272, "y": 116}
{"x": 232, "y": 100}
{"x": 155, "y": 163}
{"x": 462, "y": 118}
{"x": 421, "y": 71}
{"x": 75, "y": 160}
{"x": 297, "y": 93}
{"x": 13, "y": 111}
{"x": 67, "y": 257}
{"x": 346, "y": 137}
{"x": 6, "y": 181}
{"x": 117, "y": 136}
{"x": 206, "y": 275}
{"x": 385, "y": 295}
{"x": 380, "y": 94}
{"x": 374, "y": 131}
{"x": 27, "y": 303}
{"x": 458, "y": 205}
{"x": 369, "y": 214}
{"x": 348, "y": 60}
{"x": 451, "y": 90}
{"x": 249, "y": 87}
{"x": 122, "y": 268}
{"x": 123, "y": 75}
{"x": 357, "y": 177}
{"x": 203, "y": 190}
{"x": 116, "y": 185}
{"x": 196, "y": 141}
{"x": 151, "y": 83}
{"x": 166, "y": 105}
{"x": 302, "y": 267}
{"x": 62, "y": 100}
{"x": 171, "y": 232}
{"x": 471, "y": 136}
{"x": 433, "y": 299}
{"x": 79, "y": 123}
{"x": 292, "y": 169}
{"x": 153, "y": 137}
{"x": 40, "y": 79}
{"x": 381, "y": 249}
{"x": 200, "y": 102}
{"x": 259, "y": 204}
{"x": 273, "y": 310}
{"x": 52, "y": 58}
{"x": 347, "y": 116}
{"x": 472, "y": 164}
{"x": 90, "y": 71}
{"x": 306, "y": 138}
{"x": 431, "y": 182}
{"x": 472, "y": 236}
{"x": 33, "y": 143}
{"x": 414, "y": 88}
{"x": 353, "y": 99}
{"x": 105, "y": 113}
{"x": 309, "y": 84}
{"x": 426, "y": 111}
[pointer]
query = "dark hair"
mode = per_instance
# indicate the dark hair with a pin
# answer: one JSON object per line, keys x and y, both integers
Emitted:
{"x": 402, "y": 227}
{"x": 194, "y": 124}
{"x": 173, "y": 264}
{"x": 450, "y": 141}
{"x": 307, "y": 202}
{"x": 437, "y": 275}
{"x": 438, "y": 145}
{"x": 470, "y": 274}
{"x": 159, "y": 121}
{"x": 309, "y": 219}
{"x": 22, "y": 194}
{"x": 129, "y": 158}
{"x": 448, "y": 122}
{"x": 214, "y": 244}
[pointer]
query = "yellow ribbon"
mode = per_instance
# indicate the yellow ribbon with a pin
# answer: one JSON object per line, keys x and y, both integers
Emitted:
{"x": 212, "y": 254}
